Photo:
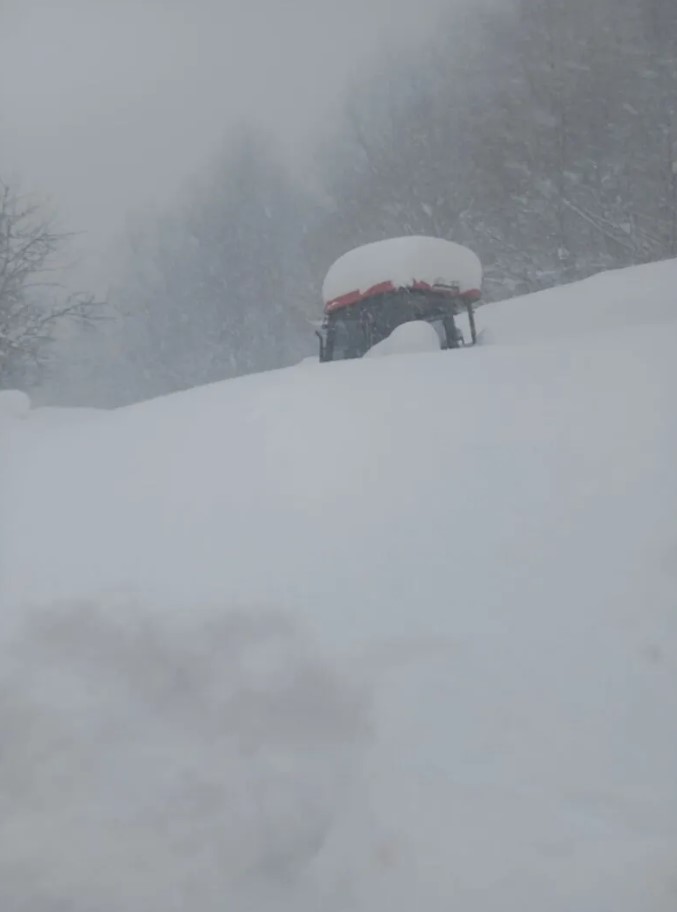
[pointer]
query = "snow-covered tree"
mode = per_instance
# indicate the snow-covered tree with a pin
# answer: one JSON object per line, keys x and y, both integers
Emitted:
{"x": 542, "y": 134}
{"x": 217, "y": 286}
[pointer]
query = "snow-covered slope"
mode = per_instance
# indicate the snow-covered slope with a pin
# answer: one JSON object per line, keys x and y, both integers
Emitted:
{"x": 372, "y": 635}
{"x": 642, "y": 296}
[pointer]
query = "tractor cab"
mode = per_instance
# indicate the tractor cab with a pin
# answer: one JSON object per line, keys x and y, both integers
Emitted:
{"x": 372, "y": 290}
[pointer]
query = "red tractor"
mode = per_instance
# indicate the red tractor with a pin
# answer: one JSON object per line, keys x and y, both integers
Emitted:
{"x": 373, "y": 289}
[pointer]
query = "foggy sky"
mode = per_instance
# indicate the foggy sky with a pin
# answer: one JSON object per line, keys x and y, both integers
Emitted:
{"x": 108, "y": 105}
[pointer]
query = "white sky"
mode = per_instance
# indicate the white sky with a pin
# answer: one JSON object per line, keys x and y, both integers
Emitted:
{"x": 106, "y": 105}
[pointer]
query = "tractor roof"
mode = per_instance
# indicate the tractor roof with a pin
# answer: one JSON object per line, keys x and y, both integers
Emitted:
{"x": 424, "y": 263}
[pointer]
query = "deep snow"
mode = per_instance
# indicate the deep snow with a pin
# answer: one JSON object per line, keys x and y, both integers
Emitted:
{"x": 372, "y": 635}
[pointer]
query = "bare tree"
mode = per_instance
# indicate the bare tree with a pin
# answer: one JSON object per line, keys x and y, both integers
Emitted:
{"x": 32, "y": 302}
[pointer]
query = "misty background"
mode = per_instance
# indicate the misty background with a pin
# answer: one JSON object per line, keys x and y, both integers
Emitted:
{"x": 213, "y": 159}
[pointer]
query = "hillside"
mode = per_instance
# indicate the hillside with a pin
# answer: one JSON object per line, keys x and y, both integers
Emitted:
{"x": 382, "y": 634}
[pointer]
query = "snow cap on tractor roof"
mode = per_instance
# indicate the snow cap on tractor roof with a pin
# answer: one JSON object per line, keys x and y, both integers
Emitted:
{"x": 425, "y": 263}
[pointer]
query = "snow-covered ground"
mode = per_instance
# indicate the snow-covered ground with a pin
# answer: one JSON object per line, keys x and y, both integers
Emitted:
{"x": 380, "y": 635}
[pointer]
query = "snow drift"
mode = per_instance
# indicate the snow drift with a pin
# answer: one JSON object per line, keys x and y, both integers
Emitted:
{"x": 410, "y": 338}
{"x": 397, "y": 632}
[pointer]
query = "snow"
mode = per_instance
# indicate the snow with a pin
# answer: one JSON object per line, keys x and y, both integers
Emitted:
{"x": 14, "y": 404}
{"x": 407, "y": 339}
{"x": 382, "y": 634}
{"x": 403, "y": 261}
{"x": 613, "y": 300}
